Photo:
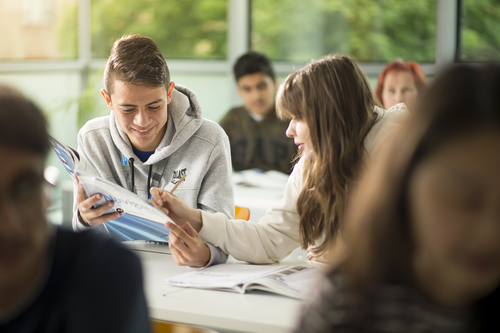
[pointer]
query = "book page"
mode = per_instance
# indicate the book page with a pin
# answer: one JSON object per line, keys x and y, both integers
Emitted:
{"x": 66, "y": 155}
{"x": 139, "y": 221}
{"x": 69, "y": 157}
{"x": 125, "y": 201}
{"x": 294, "y": 281}
{"x": 222, "y": 276}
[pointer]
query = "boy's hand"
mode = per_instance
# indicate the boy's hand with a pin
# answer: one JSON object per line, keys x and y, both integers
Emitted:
{"x": 187, "y": 247}
{"x": 90, "y": 215}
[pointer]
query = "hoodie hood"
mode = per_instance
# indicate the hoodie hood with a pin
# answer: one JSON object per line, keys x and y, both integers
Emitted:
{"x": 184, "y": 119}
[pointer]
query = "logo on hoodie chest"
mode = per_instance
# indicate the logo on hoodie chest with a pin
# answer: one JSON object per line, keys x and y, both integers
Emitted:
{"x": 177, "y": 175}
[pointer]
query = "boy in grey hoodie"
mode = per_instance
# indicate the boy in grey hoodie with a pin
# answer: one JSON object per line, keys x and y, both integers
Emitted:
{"x": 154, "y": 135}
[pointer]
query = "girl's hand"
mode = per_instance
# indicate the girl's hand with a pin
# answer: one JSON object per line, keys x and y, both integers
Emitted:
{"x": 177, "y": 209}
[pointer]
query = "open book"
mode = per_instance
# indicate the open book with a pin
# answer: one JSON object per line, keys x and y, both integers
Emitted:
{"x": 139, "y": 221}
{"x": 291, "y": 281}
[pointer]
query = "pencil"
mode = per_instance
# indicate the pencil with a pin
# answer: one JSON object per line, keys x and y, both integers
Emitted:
{"x": 178, "y": 183}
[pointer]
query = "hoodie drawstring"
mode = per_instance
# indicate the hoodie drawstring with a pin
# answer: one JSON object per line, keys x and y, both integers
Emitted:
{"x": 131, "y": 162}
{"x": 149, "y": 181}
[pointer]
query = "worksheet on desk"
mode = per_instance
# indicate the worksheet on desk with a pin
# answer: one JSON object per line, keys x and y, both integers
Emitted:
{"x": 224, "y": 275}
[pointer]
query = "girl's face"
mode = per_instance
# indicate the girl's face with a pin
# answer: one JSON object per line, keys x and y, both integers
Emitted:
{"x": 454, "y": 203}
{"x": 299, "y": 131}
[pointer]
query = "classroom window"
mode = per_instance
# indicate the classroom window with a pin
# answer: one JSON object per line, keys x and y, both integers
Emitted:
{"x": 38, "y": 29}
{"x": 371, "y": 31}
{"x": 479, "y": 30}
{"x": 187, "y": 29}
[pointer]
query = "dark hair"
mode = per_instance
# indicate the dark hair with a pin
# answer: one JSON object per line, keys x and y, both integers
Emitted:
{"x": 401, "y": 66}
{"x": 251, "y": 63}
{"x": 22, "y": 123}
{"x": 461, "y": 100}
{"x": 335, "y": 99}
{"x": 138, "y": 60}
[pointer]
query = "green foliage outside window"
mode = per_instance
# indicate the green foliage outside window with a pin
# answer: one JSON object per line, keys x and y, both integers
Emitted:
{"x": 67, "y": 29}
{"x": 480, "y": 30}
{"x": 187, "y": 29}
{"x": 289, "y": 30}
{"x": 371, "y": 31}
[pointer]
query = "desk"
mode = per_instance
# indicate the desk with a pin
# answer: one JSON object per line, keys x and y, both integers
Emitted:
{"x": 222, "y": 311}
{"x": 257, "y": 199}
{"x": 258, "y": 191}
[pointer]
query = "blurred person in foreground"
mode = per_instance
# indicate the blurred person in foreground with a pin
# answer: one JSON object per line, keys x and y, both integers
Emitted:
{"x": 52, "y": 279}
{"x": 400, "y": 82}
{"x": 424, "y": 252}
{"x": 256, "y": 134}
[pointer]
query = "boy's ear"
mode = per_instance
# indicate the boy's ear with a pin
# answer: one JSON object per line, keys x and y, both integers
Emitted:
{"x": 169, "y": 92}
{"x": 107, "y": 99}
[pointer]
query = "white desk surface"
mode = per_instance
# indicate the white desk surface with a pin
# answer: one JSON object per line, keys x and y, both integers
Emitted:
{"x": 222, "y": 311}
{"x": 257, "y": 199}
{"x": 264, "y": 190}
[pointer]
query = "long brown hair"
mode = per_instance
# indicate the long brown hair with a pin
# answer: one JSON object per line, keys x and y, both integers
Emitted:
{"x": 378, "y": 237}
{"x": 335, "y": 99}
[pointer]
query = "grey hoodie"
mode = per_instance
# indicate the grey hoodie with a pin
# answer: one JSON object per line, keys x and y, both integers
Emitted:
{"x": 192, "y": 145}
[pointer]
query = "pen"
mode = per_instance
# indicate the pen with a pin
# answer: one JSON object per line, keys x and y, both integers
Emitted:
{"x": 178, "y": 183}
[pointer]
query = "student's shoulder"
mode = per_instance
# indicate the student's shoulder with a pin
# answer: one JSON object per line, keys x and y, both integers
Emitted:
{"x": 210, "y": 131}
{"x": 95, "y": 125}
{"x": 386, "y": 126}
{"x": 395, "y": 115}
{"x": 238, "y": 110}
{"x": 235, "y": 114}
{"x": 90, "y": 266}
{"x": 92, "y": 251}
{"x": 326, "y": 307}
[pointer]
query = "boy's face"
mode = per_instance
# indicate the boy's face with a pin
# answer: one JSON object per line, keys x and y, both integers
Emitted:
{"x": 258, "y": 92}
{"x": 24, "y": 232}
{"x": 141, "y": 112}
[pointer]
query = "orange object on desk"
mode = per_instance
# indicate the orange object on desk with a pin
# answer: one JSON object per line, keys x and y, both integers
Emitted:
{"x": 241, "y": 213}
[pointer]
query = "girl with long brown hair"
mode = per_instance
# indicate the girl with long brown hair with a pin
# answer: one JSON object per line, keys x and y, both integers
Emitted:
{"x": 423, "y": 255}
{"x": 335, "y": 124}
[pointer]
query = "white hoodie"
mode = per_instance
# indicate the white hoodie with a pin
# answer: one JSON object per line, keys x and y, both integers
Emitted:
{"x": 191, "y": 144}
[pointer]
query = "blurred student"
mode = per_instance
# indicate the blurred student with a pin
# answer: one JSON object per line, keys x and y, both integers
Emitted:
{"x": 334, "y": 123}
{"x": 400, "y": 82}
{"x": 256, "y": 134}
{"x": 52, "y": 279}
{"x": 424, "y": 252}
{"x": 154, "y": 134}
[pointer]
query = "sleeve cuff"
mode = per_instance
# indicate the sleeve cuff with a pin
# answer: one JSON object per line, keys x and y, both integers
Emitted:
{"x": 80, "y": 219}
{"x": 213, "y": 223}
{"x": 217, "y": 256}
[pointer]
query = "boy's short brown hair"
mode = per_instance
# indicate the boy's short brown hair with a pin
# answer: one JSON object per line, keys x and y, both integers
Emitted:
{"x": 138, "y": 60}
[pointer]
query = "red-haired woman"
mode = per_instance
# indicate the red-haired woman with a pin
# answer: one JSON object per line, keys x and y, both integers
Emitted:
{"x": 400, "y": 82}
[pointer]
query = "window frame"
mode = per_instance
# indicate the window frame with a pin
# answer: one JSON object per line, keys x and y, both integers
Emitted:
{"x": 239, "y": 31}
